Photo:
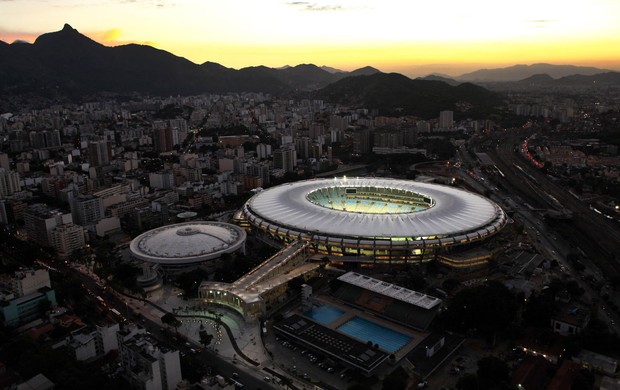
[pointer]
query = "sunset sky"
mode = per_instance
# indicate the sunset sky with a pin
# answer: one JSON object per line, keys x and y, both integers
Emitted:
{"x": 409, "y": 36}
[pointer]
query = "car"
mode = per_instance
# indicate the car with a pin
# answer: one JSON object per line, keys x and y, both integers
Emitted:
{"x": 267, "y": 378}
{"x": 235, "y": 375}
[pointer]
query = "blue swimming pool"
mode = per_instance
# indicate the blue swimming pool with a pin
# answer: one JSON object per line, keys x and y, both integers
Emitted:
{"x": 324, "y": 314}
{"x": 364, "y": 330}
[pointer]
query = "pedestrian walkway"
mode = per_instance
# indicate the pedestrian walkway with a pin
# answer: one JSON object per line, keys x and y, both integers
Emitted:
{"x": 237, "y": 340}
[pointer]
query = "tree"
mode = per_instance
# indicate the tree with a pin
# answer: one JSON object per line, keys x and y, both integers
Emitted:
{"x": 539, "y": 309}
{"x": 484, "y": 309}
{"x": 493, "y": 373}
{"x": 396, "y": 380}
{"x": 171, "y": 319}
{"x": 467, "y": 382}
{"x": 205, "y": 338}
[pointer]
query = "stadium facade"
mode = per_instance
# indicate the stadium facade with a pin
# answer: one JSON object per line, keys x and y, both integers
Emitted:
{"x": 373, "y": 219}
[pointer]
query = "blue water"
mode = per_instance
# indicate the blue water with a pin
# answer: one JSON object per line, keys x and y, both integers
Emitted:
{"x": 364, "y": 330}
{"x": 324, "y": 314}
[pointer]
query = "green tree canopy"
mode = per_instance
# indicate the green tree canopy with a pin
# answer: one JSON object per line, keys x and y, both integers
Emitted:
{"x": 486, "y": 309}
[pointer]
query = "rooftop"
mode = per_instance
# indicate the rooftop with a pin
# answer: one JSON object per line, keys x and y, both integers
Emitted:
{"x": 188, "y": 242}
{"x": 444, "y": 211}
{"x": 391, "y": 290}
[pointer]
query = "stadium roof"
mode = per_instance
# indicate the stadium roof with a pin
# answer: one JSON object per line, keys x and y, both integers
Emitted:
{"x": 189, "y": 242}
{"x": 453, "y": 213}
{"x": 391, "y": 290}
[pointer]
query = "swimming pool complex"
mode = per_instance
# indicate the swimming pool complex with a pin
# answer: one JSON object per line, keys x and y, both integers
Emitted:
{"x": 324, "y": 314}
{"x": 364, "y": 330}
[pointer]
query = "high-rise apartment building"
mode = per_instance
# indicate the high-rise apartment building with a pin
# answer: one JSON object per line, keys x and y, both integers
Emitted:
{"x": 5, "y": 163}
{"x": 446, "y": 119}
{"x": 9, "y": 183}
{"x": 67, "y": 238}
{"x": 99, "y": 153}
{"x": 163, "y": 180}
{"x": 303, "y": 147}
{"x": 87, "y": 209}
{"x": 263, "y": 151}
{"x": 39, "y": 220}
{"x": 423, "y": 127}
{"x": 285, "y": 158}
{"x": 362, "y": 141}
{"x": 165, "y": 138}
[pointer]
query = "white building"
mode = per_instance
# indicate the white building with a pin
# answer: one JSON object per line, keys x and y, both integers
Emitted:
{"x": 161, "y": 180}
{"x": 67, "y": 238}
{"x": 30, "y": 281}
{"x": 263, "y": 151}
{"x": 88, "y": 343}
{"x": 149, "y": 365}
{"x": 39, "y": 220}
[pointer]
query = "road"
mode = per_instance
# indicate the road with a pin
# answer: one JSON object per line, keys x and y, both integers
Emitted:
{"x": 596, "y": 235}
{"x": 249, "y": 378}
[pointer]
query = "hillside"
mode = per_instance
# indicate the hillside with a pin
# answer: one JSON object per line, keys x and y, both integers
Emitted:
{"x": 392, "y": 92}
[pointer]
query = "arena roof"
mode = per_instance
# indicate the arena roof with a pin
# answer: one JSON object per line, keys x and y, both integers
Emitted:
{"x": 451, "y": 212}
{"x": 187, "y": 243}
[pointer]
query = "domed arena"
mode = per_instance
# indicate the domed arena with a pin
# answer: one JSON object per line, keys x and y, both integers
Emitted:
{"x": 374, "y": 219}
{"x": 183, "y": 245}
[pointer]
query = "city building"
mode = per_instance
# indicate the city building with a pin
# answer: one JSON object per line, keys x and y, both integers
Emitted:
{"x": 87, "y": 209}
{"x": 446, "y": 120}
{"x": 39, "y": 220}
{"x": 9, "y": 182}
{"x": 150, "y": 365}
{"x": 285, "y": 158}
{"x": 24, "y": 295}
{"x": 165, "y": 138}
{"x": 67, "y": 238}
{"x": 570, "y": 319}
{"x": 99, "y": 153}
{"x": 88, "y": 343}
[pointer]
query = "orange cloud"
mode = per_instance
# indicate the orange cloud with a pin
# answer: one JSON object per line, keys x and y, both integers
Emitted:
{"x": 113, "y": 36}
{"x": 12, "y": 36}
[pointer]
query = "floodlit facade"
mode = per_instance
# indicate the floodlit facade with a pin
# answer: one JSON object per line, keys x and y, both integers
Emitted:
{"x": 374, "y": 219}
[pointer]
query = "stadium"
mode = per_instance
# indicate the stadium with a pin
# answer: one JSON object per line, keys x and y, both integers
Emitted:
{"x": 373, "y": 219}
{"x": 179, "y": 247}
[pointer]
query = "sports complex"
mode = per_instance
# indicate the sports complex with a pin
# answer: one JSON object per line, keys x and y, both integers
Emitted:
{"x": 373, "y": 219}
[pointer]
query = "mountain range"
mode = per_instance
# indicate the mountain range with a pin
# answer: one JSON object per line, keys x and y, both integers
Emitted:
{"x": 73, "y": 62}
{"x": 520, "y": 72}
{"x": 70, "y": 65}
